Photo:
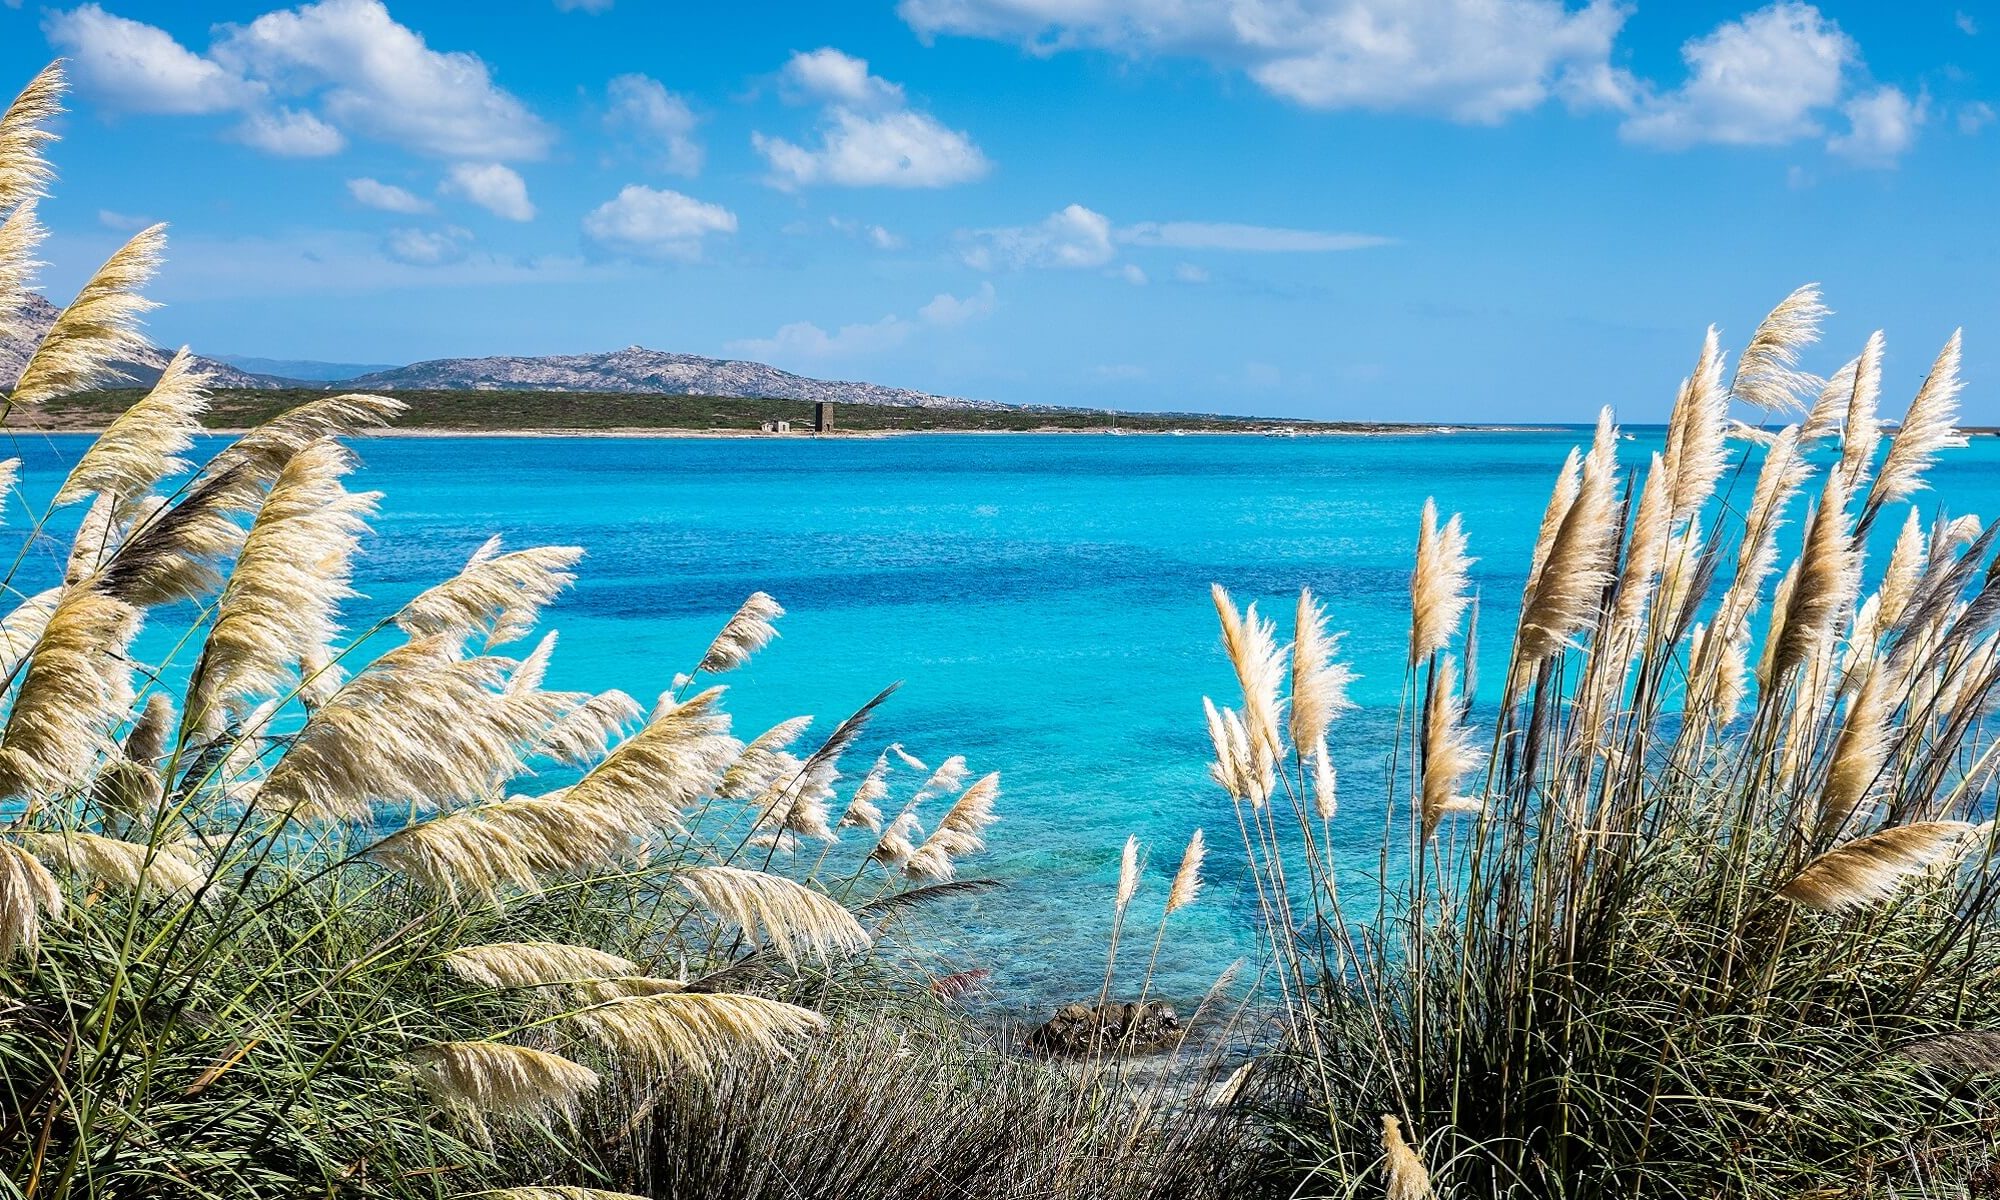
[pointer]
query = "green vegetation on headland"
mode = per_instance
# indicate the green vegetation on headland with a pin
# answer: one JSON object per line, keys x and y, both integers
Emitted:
{"x": 529, "y": 411}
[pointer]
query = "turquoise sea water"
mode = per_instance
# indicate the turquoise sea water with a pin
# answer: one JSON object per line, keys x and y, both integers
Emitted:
{"x": 1044, "y": 599}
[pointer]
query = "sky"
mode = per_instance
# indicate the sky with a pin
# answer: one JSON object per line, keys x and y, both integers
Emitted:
{"x": 1424, "y": 210}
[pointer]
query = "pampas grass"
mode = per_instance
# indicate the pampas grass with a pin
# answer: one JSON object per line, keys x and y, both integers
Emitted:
{"x": 1438, "y": 595}
{"x": 749, "y": 631}
{"x": 1873, "y": 868}
{"x": 794, "y": 919}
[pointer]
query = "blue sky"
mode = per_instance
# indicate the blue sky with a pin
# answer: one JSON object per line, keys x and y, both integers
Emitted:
{"x": 1396, "y": 209}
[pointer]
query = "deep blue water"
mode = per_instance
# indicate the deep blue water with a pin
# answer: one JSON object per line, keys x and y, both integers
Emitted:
{"x": 1044, "y": 599}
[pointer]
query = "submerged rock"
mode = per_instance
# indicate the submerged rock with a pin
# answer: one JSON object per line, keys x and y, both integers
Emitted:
{"x": 1077, "y": 1029}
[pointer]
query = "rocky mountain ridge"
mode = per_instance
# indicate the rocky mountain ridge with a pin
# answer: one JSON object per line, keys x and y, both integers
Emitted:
{"x": 142, "y": 370}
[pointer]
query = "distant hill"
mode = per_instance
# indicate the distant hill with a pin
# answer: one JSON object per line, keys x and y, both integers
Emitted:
{"x": 143, "y": 369}
{"x": 637, "y": 369}
{"x": 307, "y": 369}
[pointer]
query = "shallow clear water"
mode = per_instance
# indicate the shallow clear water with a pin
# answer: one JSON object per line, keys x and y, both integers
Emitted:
{"x": 1043, "y": 598}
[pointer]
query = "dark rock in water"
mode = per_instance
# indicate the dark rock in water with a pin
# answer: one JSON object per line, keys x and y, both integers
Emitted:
{"x": 1093, "y": 1028}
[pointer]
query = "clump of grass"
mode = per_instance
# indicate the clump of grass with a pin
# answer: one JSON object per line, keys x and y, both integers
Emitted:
{"x": 1665, "y": 920}
{"x": 276, "y": 921}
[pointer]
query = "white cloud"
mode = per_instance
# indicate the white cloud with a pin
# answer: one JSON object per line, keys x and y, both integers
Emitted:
{"x": 947, "y": 309}
{"x": 1472, "y": 60}
{"x": 894, "y": 149}
{"x": 874, "y": 235}
{"x": 382, "y": 80}
{"x": 1081, "y": 237}
{"x": 1975, "y": 116}
{"x": 867, "y": 136}
{"x": 1882, "y": 124}
{"x": 1966, "y": 25}
{"x": 646, "y": 222}
{"x": 828, "y": 76}
{"x": 141, "y": 68}
{"x": 660, "y": 117}
{"x": 805, "y": 340}
{"x": 1075, "y": 237}
{"x": 373, "y": 193}
{"x": 289, "y": 132}
{"x": 1761, "y": 80}
{"x": 428, "y": 248}
{"x": 1132, "y": 273}
{"x": 498, "y": 189}
{"x": 122, "y": 222}
{"x": 1208, "y": 235}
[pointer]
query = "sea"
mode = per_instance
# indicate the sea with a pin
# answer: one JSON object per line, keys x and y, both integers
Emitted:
{"x": 1042, "y": 601}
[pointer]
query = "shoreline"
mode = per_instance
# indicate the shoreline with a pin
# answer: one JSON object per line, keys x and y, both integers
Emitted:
{"x": 1279, "y": 432}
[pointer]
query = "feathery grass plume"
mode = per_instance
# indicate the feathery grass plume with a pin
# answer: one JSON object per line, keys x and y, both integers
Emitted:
{"x": 1645, "y": 553}
{"x": 1930, "y": 425}
{"x": 864, "y": 811}
{"x": 281, "y": 604}
{"x": 112, "y": 861}
{"x": 1319, "y": 685}
{"x": 534, "y": 964}
{"x": 945, "y": 781}
{"x": 143, "y": 444}
{"x": 1858, "y": 754}
{"x": 257, "y": 458}
{"x": 1697, "y": 451}
{"x": 1974, "y": 1051}
{"x": 1572, "y": 580}
{"x": 762, "y": 760}
{"x": 1243, "y": 769}
{"x": 796, "y": 920}
{"x": 513, "y": 843}
{"x": 1766, "y": 371}
{"x": 501, "y": 594}
{"x": 1438, "y": 594}
{"x": 552, "y": 1193}
{"x": 100, "y": 327}
{"x": 1741, "y": 432}
{"x": 21, "y": 628}
{"x": 1408, "y": 1178}
{"x": 21, "y": 233}
{"x": 130, "y": 784}
{"x": 28, "y": 893}
{"x": 960, "y": 832}
{"x": 90, "y": 547}
{"x": 24, "y": 173}
{"x": 1829, "y": 409}
{"x": 1450, "y": 753}
{"x": 77, "y": 687}
{"x": 482, "y": 1080}
{"x": 146, "y": 741}
{"x": 1326, "y": 800}
{"x": 695, "y": 1032}
{"x": 675, "y": 760}
{"x": 800, "y": 801}
{"x": 589, "y": 728}
{"x": 1252, "y": 645}
{"x": 176, "y": 552}
{"x": 1874, "y": 867}
{"x": 1861, "y": 428}
{"x": 1187, "y": 880}
{"x": 1561, "y": 496}
{"x": 898, "y": 841}
{"x": 418, "y": 726}
{"x": 1128, "y": 872}
{"x": 1900, "y": 577}
{"x": 749, "y": 631}
{"x": 1784, "y": 471}
{"x": 1823, "y": 584}
{"x": 909, "y": 760}
{"x": 1681, "y": 574}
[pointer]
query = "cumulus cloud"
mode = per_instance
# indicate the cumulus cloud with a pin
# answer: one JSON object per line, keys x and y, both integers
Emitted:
{"x": 661, "y": 119}
{"x": 1074, "y": 237}
{"x": 428, "y": 247}
{"x": 290, "y": 133}
{"x": 868, "y": 136}
{"x": 497, "y": 188}
{"x": 643, "y": 222}
{"x": 379, "y": 78}
{"x": 876, "y": 236}
{"x": 1471, "y": 60}
{"x": 373, "y": 193}
{"x": 140, "y": 68}
{"x": 1882, "y": 124}
{"x": 1761, "y": 80}
{"x": 1975, "y": 116}
{"x": 947, "y": 309}
{"x": 369, "y": 75}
